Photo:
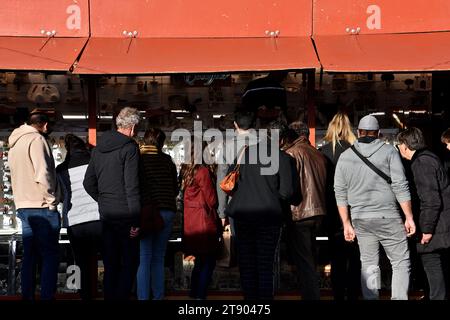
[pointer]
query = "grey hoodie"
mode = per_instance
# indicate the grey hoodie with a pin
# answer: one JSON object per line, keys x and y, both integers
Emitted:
{"x": 369, "y": 195}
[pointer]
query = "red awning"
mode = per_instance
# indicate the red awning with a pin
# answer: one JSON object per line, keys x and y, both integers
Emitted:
{"x": 384, "y": 52}
{"x": 130, "y": 56}
{"x": 196, "y": 36}
{"x": 42, "y": 35}
{"x": 26, "y": 53}
{"x": 382, "y": 35}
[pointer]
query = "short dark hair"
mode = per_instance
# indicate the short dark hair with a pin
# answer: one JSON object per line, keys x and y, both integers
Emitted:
{"x": 300, "y": 128}
{"x": 244, "y": 119}
{"x": 278, "y": 125}
{"x": 445, "y": 138}
{"x": 72, "y": 143}
{"x": 278, "y": 75}
{"x": 413, "y": 138}
{"x": 155, "y": 137}
{"x": 38, "y": 118}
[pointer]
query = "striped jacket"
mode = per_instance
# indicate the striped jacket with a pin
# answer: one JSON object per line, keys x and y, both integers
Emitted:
{"x": 158, "y": 178}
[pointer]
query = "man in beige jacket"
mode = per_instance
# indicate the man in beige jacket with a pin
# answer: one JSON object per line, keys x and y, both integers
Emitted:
{"x": 34, "y": 188}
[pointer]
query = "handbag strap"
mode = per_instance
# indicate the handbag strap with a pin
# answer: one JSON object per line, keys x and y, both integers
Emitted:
{"x": 238, "y": 164}
{"x": 372, "y": 166}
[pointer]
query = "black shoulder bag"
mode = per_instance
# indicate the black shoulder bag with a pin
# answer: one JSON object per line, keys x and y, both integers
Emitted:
{"x": 371, "y": 166}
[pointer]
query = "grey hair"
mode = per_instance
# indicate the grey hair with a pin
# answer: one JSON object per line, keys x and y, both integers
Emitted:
{"x": 128, "y": 117}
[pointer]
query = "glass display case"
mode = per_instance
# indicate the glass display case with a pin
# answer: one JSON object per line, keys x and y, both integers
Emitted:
{"x": 8, "y": 219}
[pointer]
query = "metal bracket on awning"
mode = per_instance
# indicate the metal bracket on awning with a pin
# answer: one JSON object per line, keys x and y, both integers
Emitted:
{"x": 49, "y": 34}
{"x": 130, "y": 35}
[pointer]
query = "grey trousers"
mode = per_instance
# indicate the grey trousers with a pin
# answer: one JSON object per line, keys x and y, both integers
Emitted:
{"x": 391, "y": 234}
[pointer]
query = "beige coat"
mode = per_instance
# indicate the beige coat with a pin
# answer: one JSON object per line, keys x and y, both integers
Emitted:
{"x": 33, "y": 172}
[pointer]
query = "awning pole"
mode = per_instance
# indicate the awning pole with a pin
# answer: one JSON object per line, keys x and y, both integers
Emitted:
{"x": 92, "y": 110}
{"x": 311, "y": 105}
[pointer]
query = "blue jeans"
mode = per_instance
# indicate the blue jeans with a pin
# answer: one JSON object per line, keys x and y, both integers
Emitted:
{"x": 40, "y": 234}
{"x": 151, "y": 267}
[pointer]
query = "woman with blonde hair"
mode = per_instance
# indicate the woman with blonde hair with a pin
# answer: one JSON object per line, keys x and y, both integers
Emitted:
{"x": 345, "y": 264}
{"x": 339, "y": 133}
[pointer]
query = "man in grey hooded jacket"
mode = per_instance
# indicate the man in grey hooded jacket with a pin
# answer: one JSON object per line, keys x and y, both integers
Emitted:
{"x": 375, "y": 218}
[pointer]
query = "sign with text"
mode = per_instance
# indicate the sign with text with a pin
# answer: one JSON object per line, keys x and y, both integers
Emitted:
{"x": 65, "y": 18}
{"x": 201, "y": 80}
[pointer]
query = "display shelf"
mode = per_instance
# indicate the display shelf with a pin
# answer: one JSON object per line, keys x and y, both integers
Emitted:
{"x": 8, "y": 219}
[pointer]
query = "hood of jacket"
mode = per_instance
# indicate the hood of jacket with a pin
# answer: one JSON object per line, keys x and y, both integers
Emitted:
{"x": 368, "y": 149}
{"x": 112, "y": 140}
{"x": 18, "y": 133}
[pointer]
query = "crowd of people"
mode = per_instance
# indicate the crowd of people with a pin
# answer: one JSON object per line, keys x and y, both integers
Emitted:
{"x": 355, "y": 187}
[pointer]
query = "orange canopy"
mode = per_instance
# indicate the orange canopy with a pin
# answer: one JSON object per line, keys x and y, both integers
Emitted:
{"x": 42, "y": 35}
{"x": 130, "y": 56}
{"x": 160, "y": 36}
{"x": 385, "y": 52}
{"x": 26, "y": 53}
{"x": 385, "y": 35}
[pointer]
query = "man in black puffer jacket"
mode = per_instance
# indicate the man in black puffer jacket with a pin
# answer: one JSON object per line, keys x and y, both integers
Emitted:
{"x": 433, "y": 219}
{"x": 112, "y": 179}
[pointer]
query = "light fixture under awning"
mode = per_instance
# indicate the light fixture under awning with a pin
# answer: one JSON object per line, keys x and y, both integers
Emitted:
{"x": 195, "y": 55}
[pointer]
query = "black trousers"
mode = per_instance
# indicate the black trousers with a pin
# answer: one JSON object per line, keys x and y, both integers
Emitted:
{"x": 120, "y": 259}
{"x": 302, "y": 243}
{"x": 257, "y": 243}
{"x": 345, "y": 268}
{"x": 436, "y": 270}
{"x": 86, "y": 242}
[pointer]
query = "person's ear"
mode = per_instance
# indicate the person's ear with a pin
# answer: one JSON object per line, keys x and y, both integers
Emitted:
{"x": 133, "y": 131}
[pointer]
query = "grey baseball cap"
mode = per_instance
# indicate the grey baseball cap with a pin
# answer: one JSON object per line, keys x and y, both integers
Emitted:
{"x": 369, "y": 123}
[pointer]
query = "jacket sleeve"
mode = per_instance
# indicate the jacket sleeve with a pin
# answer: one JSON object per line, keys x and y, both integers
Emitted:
{"x": 426, "y": 181}
{"x": 206, "y": 186}
{"x": 340, "y": 185}
{"x": 44, "y": 170}
{"x": 90, "y": 182}
{"x": 64, "y": 182}
{"x": 131, "y": 179}
{"x": 297, "y": 162}
{"x": 399, "y": 184}
{"x": 288, "y": 182}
